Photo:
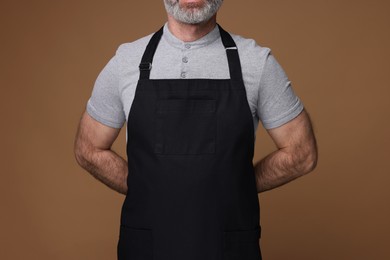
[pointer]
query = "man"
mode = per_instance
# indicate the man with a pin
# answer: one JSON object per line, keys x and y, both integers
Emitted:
{"x": 192, "y": 95}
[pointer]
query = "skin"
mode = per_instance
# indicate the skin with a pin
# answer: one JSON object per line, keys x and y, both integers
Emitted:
{"x": 92, "y": 148}
{"x": 296, "y": 153}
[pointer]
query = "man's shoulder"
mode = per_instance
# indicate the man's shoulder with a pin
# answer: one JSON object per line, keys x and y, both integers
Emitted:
{"x": 129, "y": 54}
{"x": 135, "y": 47}
{"x": 252, "y": 54}
{"x": 249, "y": 47}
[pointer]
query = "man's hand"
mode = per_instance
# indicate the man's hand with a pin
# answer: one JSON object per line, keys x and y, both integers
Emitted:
{"x": 296, "y": 154}
{"x": 93, "y": 152}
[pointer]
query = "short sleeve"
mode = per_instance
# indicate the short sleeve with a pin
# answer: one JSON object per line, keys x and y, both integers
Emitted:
{"x": 105, "y": 104}
{"x": 277, "y": 102}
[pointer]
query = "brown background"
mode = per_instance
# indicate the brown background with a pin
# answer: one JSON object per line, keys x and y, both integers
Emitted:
{"x": 335, "y": 53}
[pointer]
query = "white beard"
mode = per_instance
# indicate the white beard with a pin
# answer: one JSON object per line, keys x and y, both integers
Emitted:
{"x": 192, "y": 14}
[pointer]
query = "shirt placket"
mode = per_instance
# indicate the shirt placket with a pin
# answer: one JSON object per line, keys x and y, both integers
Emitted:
{"x": 184, "y": 64}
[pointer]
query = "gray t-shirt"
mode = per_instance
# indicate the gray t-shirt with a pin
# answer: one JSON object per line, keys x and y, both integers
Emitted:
{"x": 268, "y": 89}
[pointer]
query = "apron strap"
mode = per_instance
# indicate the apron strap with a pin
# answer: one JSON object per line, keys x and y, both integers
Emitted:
{"x": 147, "y": 58}
{"x": 227, "y": 40}
{"x": 232, "y": 55}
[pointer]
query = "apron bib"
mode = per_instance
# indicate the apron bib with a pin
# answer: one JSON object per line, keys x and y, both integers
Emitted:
{"x": 191, "y": 184}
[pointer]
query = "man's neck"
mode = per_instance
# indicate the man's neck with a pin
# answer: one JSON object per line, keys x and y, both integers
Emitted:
{"x": 190, "y": 32}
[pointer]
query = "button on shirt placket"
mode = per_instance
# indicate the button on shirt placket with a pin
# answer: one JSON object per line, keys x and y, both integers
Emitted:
{"x": 184, "y": 67}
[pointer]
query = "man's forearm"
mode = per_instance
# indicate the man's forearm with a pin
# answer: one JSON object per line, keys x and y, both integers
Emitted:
{"x": 280, "y": 167}
{"x": 106, "y": 166}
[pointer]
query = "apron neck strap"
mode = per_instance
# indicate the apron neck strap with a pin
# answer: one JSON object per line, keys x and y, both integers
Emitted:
{"x": 227, "y": 40}
{"x": 232, "y": 54}
{"x": 147, "y": 58}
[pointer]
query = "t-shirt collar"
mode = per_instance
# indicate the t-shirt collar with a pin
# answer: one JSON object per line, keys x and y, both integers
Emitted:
{"x": 176, "y": 42}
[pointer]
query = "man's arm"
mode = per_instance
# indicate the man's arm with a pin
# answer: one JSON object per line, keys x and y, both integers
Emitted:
{"x": 92, "y": 149}
{"x": 296, "y": 154}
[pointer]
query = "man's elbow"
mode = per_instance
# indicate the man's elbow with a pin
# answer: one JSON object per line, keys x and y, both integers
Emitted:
{"x": 310, "y": 161}
{"x": 81, "y": 154}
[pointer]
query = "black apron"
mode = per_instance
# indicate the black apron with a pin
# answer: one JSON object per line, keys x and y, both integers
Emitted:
{"x": 191, "y": 184}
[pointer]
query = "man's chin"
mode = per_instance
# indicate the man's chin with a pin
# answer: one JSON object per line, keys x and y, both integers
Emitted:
{"x": 191, "y": 23}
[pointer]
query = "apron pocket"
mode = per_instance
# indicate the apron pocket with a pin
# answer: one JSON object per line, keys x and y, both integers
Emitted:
{"x": 242, "y": 244}
{"x": 135, "y": 244}
{"x": 185, "y": 126}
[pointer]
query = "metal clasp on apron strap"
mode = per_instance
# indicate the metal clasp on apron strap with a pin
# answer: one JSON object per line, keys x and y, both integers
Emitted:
{"x": 145, "y": 66}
